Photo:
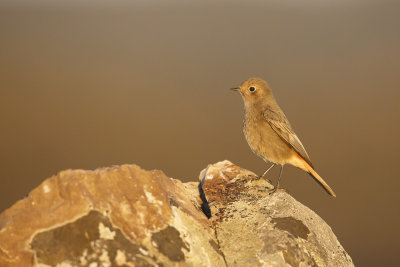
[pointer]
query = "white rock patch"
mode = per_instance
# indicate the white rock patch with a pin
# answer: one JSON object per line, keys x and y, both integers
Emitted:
{"x": 105, "y": 232}
{"x": 46, "y": 189}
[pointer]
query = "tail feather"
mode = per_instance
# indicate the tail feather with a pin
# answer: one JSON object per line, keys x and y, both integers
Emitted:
{"x": 299, "y": 162}
{"x": 321, "y": 181}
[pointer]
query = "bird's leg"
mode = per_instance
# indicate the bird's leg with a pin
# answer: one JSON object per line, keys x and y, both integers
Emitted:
{"x": 273, "y": 164}
{"x": 279, "y": 179}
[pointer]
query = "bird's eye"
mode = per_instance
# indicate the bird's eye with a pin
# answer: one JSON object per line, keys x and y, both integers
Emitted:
{"x": 252, "y": 89}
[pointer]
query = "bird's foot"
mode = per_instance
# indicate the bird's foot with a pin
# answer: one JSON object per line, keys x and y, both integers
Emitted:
{"x": 273, "y": 190}
{"x": 266, "y": 179}
{"x": 253, "y": 177}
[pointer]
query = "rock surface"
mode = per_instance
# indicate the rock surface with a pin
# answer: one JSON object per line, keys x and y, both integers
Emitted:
{"x": 256, "y": 228}
{"x": 119, "y": 216}
{"x": 126, "y": 216}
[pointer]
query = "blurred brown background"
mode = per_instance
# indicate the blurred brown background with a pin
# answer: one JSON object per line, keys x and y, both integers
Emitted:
{"x": 85, "y": 85}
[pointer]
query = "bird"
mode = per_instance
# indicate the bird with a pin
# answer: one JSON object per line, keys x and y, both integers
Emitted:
{"x": 269, "y": 133}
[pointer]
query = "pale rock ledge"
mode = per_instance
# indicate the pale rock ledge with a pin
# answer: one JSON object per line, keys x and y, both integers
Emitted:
{"x": 127, "y": 216}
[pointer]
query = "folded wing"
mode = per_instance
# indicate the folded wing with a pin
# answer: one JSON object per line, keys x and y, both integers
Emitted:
{"x": 279, "y": 123}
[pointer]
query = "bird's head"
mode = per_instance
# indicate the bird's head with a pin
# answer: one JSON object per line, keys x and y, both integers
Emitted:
{"x": 254, "y": 90}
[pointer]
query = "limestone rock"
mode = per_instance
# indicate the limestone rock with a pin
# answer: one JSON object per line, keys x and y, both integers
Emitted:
{"x": 126, "y": 216}
{"x": 119, "y": 216}
{"x": 257, "y": 228}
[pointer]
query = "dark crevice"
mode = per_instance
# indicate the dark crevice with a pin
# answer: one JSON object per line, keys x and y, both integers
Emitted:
{"x": 205, "y": 207}
{"x": 204, "y": 203}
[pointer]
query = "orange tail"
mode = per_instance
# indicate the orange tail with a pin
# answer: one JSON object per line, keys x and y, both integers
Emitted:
{"x": 299, "y": 162}
{"x": 321, "y": 181}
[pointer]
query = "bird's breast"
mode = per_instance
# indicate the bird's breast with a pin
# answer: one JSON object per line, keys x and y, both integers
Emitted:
{"x": 263, "y": 140}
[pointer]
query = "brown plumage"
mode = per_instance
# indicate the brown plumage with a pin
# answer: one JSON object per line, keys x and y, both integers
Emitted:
{"x": 268, "y": 132}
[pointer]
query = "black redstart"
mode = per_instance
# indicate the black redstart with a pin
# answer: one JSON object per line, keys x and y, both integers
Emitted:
{"x": 269, "y": 133}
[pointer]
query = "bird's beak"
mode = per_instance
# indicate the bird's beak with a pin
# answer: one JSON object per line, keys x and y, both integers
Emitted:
{"x": 235, "y": 89}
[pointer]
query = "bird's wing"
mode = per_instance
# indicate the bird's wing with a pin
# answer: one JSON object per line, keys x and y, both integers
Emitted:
{"x": 279, "y": 123}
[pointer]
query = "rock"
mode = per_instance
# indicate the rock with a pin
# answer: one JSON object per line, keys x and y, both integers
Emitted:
{"x": 257, "y": 228}
{"x": 126, "y": 216}
{"x": 119, "y": 216}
